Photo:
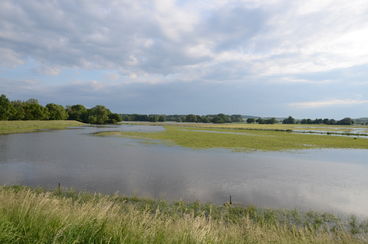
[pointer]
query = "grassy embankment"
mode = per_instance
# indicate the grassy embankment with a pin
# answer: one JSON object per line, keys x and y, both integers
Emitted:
{"x": 242, "y": 137}
{"x": 37, "y": 216}
{"x": 10, "y": 127}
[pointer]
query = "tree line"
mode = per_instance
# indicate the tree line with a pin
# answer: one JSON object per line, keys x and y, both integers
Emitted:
{"x": 344, "y": 121}
{"x": 32, "y": 110}
{"x": 216, "y": 118}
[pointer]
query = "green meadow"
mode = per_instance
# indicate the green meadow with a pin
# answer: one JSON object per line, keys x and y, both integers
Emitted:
{"x": 255, "y": 126}
{"x": 38, "y": 216}
{"x": 10, "y": 127}
{"x": 240, "y": 138}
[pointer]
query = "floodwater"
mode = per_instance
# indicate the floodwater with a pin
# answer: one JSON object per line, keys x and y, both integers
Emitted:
{"x": 332, "y": 180}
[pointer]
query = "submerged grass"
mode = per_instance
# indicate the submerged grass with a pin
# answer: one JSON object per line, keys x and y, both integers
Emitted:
{"x": 285, "y": 127}
{"x": 241, "y": 140}
{"x": 38, "y": 216}
{"x": 10, "y": 127}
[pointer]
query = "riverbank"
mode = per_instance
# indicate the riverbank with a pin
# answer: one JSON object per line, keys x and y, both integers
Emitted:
{"x": 39, "y": 216}
{"x": 202, "y": 136}
{"x": 18, "y": 126}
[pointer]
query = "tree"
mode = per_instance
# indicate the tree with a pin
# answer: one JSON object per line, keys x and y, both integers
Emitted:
{"x": 77, "y": 112}
{"x": 114, "y": 118}
{"x": 236, "y": 118}
{"x": 56, "y": 112}
{"x": 260, "y": 121}
{"x": 251, "y": 120}
{"x": 345, "y": 121}
{"x": 190, "y": 118}
{"x": 34, "y": 111}
{"x": 153, "y": 117}
{"x": 221, "y": 118}
{"x": 98, "y": 115}
{"x": 161, "y": 118}
{"x": 289, "y": 120}
{"x": 270, "y": 121}
{"x": 5, "y": 108}
{"x": 205, "y": 119}
{"x": 18, "y": 110}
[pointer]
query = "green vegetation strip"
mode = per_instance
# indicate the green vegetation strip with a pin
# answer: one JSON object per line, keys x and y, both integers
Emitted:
{"x": 243, "y": 140}
{"x": 245, "y": 126}
{"x": 38, "y": 216}
{"x": 9, "y": 127}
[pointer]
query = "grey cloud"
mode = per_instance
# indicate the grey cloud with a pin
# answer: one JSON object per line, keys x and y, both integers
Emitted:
{"x": 120, "y": 35}
{"x": 234, "y": 26}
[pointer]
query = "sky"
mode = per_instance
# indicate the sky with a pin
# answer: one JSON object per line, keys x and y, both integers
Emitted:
{"x": 306, "y": 59}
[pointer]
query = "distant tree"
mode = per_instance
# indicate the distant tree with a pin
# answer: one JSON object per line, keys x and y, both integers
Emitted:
{"x": 270, "y": 121}
{"x": 190, "y": 118}
{"x": 125, "y": 117}
{"x": 98, "y": 115}
{"x": 205, "y": 119}
{"x": 18, "y": 110}
{"x": 114, "y": 118}
{"x": 35, "y": 111}
{"x": 221, "y": 118}
{"x": 5, "y": 108}
{"x": 289, "y": 120}
{"x": 32, "y": 101}
{"x": 260, "y": 121}
{"x": 318, "y": 121}
{"x": 332, "y": 122}
{"x": 153, "y": 117}
{"x": 345, "y": 121}
{"x": 251, "y": 120}
{"x": 161, "y": 118}
{"x": 236, "y": 118}
{"x": 77, "y": 112}
{"x": 56, "y": 112}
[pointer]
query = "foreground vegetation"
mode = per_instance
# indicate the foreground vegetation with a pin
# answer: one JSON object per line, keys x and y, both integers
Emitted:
{"x": 240, "y": 139}
{"x": 37, "y": 216}
{"x": 9, "y": 127}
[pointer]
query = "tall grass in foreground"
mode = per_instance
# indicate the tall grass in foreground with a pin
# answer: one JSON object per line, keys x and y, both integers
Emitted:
{"x": 36, "y": 216}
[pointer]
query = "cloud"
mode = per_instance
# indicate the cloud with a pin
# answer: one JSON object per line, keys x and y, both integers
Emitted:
{"x": 186, "y": 38}
{"x": 327, "y": 103}
{"x": 269, "y": 53}
{"x": 292, "y": 80}
{"x": 49, "y": 70}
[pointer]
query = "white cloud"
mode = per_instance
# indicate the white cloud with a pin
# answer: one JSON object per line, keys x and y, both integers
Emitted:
{"x": 292, "y": 80}
{"x": 327, "y": 103}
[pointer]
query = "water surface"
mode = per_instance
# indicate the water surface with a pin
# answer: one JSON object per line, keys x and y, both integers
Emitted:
{"x": 333, "y": 180}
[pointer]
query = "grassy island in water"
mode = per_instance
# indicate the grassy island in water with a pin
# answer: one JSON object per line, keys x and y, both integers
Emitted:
{"x": 243, "y": 137}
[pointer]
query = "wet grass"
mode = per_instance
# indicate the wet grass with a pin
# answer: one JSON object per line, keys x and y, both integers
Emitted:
{"x": 277, "y": 127}
{"x": 38, "y": 216}
{"x": 243, "y": 140}
{"x": 10, "y": 127}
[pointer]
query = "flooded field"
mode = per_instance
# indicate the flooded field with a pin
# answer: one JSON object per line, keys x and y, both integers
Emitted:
{"x": 333, "y": 180}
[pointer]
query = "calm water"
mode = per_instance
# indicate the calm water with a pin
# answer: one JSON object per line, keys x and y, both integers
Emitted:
{"x": 329, "y": 180}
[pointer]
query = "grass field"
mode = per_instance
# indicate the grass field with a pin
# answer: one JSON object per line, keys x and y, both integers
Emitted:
{"x": 237, "y": 138}
{"x": 245, "y": 126}
{"x": 37, "y": 216}
{"x": 9, "y": 127}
